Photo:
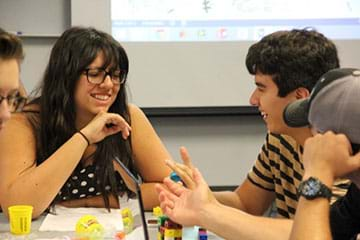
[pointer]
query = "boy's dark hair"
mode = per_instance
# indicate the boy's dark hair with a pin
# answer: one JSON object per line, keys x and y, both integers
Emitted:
{"x": 10, "y": 46}
{"x": 296, "y": 58}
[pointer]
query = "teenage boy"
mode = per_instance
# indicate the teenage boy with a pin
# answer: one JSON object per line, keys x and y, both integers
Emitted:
{"x": 286, "y": 65}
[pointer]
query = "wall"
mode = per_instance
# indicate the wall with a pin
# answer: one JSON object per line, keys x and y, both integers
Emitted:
{"x": 39, "y": 22}
{"x": 224, "y": 148}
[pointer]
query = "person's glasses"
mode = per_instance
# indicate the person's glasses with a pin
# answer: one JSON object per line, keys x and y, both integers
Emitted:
{"x": 98, "y": 75}
{"x": 15, "y": 101}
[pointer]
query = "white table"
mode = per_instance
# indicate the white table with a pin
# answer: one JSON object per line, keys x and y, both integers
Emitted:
{"x": 36, "y": 234}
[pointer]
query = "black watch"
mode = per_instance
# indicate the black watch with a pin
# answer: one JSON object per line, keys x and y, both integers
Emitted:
{"x": 313, "y": 188}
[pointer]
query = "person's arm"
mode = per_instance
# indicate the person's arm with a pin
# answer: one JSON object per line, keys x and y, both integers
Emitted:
{"x": 198, "y": 206}
{"x": 243, "y": 198}
{"x": 231, "y": 223}
{"x": 149, "y": 156}
{"x": 21, "y": 178}
{"x": 325, "y": 157}
{"x": 312, "y": 218}
{"x": 23, "y": 182}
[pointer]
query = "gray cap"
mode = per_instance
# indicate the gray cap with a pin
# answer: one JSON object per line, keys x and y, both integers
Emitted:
{"x": 334, "y": 104}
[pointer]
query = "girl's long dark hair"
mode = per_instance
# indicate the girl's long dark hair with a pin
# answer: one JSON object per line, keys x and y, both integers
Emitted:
{"x": 72, "y": 53}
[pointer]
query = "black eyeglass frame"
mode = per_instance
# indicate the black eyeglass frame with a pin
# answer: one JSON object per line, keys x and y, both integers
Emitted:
{"x": 15, "y": 101}
{"x": 122, "y": 75}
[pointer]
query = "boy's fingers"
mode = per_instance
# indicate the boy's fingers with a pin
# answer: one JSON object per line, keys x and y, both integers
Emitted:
{"x": 186, "y": 157}
{"x": 184, "y": 172}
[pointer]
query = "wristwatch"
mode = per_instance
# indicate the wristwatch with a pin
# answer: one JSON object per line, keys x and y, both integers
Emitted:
{"x": 313, "y": 188}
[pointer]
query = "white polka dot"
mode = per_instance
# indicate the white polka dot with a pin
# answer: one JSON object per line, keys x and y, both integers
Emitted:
{"x": 82, "y": 195}
{"x": 107, "y": 187}
{"x": 68, "y": 185}
{"x": 75, "y": 191}
{"x": 91, "y": 189}
{"x": 83, "y": 170}
{"x": 64, "y": 198}
{"x": 83, "y": 183}
{"x": 74, "y": 177}
{"x": 91, "y": 175}
{"x": 98, "y": 193}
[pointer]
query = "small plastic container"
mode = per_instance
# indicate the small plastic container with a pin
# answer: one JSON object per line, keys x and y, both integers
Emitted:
{"x": 88, "y": 227}
{"x": 20, "y": 219}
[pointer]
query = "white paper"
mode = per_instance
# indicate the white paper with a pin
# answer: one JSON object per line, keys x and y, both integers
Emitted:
{"x": 136, "y": 234}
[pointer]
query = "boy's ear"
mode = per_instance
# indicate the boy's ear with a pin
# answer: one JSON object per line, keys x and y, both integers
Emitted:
{"x": 302, "y": 92}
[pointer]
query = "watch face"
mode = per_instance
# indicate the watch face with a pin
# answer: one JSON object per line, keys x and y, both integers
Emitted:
{"x": 311, "y": 188}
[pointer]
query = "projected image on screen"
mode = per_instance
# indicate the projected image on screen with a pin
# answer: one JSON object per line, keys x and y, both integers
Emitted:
{"x": 230, "y": 20}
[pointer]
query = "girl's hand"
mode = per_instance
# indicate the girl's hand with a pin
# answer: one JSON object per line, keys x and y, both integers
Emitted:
{"x": 105, "y": 124}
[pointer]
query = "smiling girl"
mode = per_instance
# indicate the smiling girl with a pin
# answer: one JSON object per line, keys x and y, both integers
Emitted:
{"x": 61, "y": 148}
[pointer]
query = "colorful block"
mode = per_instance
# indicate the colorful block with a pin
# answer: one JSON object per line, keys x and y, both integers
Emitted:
{"x": 157, "y": 212}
